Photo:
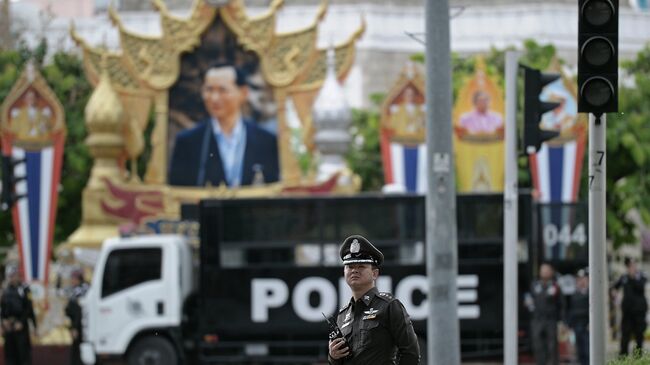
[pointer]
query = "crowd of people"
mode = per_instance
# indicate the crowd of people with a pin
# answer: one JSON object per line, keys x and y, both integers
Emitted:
{"x": 550, "y": 308}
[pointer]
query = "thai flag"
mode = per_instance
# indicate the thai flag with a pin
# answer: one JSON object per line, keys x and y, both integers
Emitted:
{"x": 405, "y": 165}
{"x": 556, "y": 171}
{"x": 34, "y": 215}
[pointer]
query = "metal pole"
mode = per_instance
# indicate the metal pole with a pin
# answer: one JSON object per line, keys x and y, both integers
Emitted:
{"x": 510, "y": 216}
{"x": 598, "y": 283}
{"x": 5, "y": 26}
{"x": 443, "y": 340}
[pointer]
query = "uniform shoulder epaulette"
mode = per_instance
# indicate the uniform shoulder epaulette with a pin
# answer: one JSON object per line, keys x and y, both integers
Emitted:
{"x": 344, "y": 308}
{"x": 386, "y": 296}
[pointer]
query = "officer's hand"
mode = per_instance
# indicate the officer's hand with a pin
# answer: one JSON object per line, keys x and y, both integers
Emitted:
{"x": 338, "y": 349}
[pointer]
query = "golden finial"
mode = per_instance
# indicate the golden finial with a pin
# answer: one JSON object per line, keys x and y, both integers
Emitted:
{"x": 104, "y": 119}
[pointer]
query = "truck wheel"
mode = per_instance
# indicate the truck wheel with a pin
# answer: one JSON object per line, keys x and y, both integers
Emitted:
{"x": 152, "y": 351}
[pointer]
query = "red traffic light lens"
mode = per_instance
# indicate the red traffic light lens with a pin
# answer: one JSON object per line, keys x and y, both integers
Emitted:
{"x": 597, "y": 51}
{"x": 598, "y": 12}
{"x": 597, "y": 91}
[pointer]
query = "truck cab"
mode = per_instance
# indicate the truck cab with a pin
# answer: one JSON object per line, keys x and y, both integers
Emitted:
{"x": 134, "y": 307}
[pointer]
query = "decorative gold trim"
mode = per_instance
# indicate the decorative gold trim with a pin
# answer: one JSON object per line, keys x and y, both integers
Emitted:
{"x": 289, "y": 52}
{"x": 43, "y": 89}
{"x": 410, "y": 75}
{"x": 314, "y": 73}
{"x": 122, "y": 80}
{"x": 254, "y": 33}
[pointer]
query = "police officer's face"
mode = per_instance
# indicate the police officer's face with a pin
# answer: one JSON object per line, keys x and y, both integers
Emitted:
{"x": 546, "y": 272}
{"x": 222, "y": 96}
{"x": 14, "y": 279}
{"x": 360, "y": 275}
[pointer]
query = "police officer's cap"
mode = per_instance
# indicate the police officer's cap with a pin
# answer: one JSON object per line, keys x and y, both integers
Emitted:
{"x": 11, "y": 270}
{"x": 357, "y": 249}
{"x": 583, "y": 273}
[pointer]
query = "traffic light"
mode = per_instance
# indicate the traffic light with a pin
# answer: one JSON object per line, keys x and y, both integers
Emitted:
{"x": 534, "y": 108}
{"x": 598, "y": 56}
{"x": 9, "y": 180}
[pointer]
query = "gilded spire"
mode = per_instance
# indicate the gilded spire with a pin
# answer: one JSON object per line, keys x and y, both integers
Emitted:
{"x": 104, "y": 119}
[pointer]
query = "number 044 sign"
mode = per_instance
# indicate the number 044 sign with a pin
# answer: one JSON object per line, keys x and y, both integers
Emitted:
{"x": 563, "y": 231}
{"x": 566, "y": 235}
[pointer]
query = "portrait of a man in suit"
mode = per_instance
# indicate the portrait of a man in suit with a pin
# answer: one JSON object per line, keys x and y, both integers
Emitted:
{"x": 225, "y": 148}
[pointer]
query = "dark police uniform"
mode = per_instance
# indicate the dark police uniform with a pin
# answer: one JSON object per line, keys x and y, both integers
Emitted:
{"x": 376, "y": 328}
{"x": 546, "y": 311}
{"x": 15, "y": 310}
{"x": 73, "y": 311}
{"x": 634, "y": 309}
{"x": 579, "y": 320}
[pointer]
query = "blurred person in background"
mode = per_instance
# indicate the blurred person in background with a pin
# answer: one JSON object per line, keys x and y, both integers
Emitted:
{"x": 16, "y": 310}
{"x": 78, "y": 288}
{"x": 633, "y": 307}
{"x": 579, "y": 316}
{"x": 545, "y": 303}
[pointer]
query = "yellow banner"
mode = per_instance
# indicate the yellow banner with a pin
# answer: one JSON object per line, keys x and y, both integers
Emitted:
{"x": 478, "y": 119}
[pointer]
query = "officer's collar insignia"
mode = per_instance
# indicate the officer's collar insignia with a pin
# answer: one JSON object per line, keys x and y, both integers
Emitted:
{"x": 355, "y": 246}
{"x": 366, "y": 297}
{"x": 370, "y": 314}
{"x": 371, "y": 311}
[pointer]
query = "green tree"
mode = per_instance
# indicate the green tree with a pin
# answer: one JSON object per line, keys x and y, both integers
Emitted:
{"x": 628, "y": 153}
{"x": 364, "y": 156}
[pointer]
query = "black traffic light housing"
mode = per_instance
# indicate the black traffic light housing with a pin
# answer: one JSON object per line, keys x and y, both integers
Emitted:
{"x": 9, "y": 180}
{"x": 534, "y": 108}
{"x": 598, "y": 56}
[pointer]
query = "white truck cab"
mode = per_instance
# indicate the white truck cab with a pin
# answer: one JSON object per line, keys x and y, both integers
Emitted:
{"x": 134, "y": 307}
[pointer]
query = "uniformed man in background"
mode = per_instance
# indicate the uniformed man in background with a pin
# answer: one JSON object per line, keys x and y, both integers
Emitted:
{"x": 375, "y": 326}
{"x": 15, "y": 311}
{"x": 78, "y": 289}
{"x": 578, "y": 317}
{"x": 546, "y": 304}
{"x": 634, "y": 306}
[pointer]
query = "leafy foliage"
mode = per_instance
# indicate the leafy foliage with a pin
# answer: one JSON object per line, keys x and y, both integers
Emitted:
{"x": 628, "y": 153}
{"x": 364, "y": 156}
{"x": 638, "y": 358}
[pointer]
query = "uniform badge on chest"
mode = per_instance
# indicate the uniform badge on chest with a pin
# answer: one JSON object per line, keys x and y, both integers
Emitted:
{"x": 370, "y": 314}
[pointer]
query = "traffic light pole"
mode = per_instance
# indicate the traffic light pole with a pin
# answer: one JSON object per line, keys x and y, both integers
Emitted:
{"x": 598, "y": 282}
{"x": 443, "y": 338}
{"x": 510, "y": 217}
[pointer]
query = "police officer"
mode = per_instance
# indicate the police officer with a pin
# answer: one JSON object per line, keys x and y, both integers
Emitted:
{"x": 15, "y": 310}
{"x": 73, "y": 310}
{"x": 634, "y": 306}
{"x": 375, "y": 326}
{"x": 578, "y": 317}
{"x": 545, "y": 302}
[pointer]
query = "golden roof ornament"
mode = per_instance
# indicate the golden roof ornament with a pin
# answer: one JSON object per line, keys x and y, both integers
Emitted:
{"x": 104, "y": 119}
